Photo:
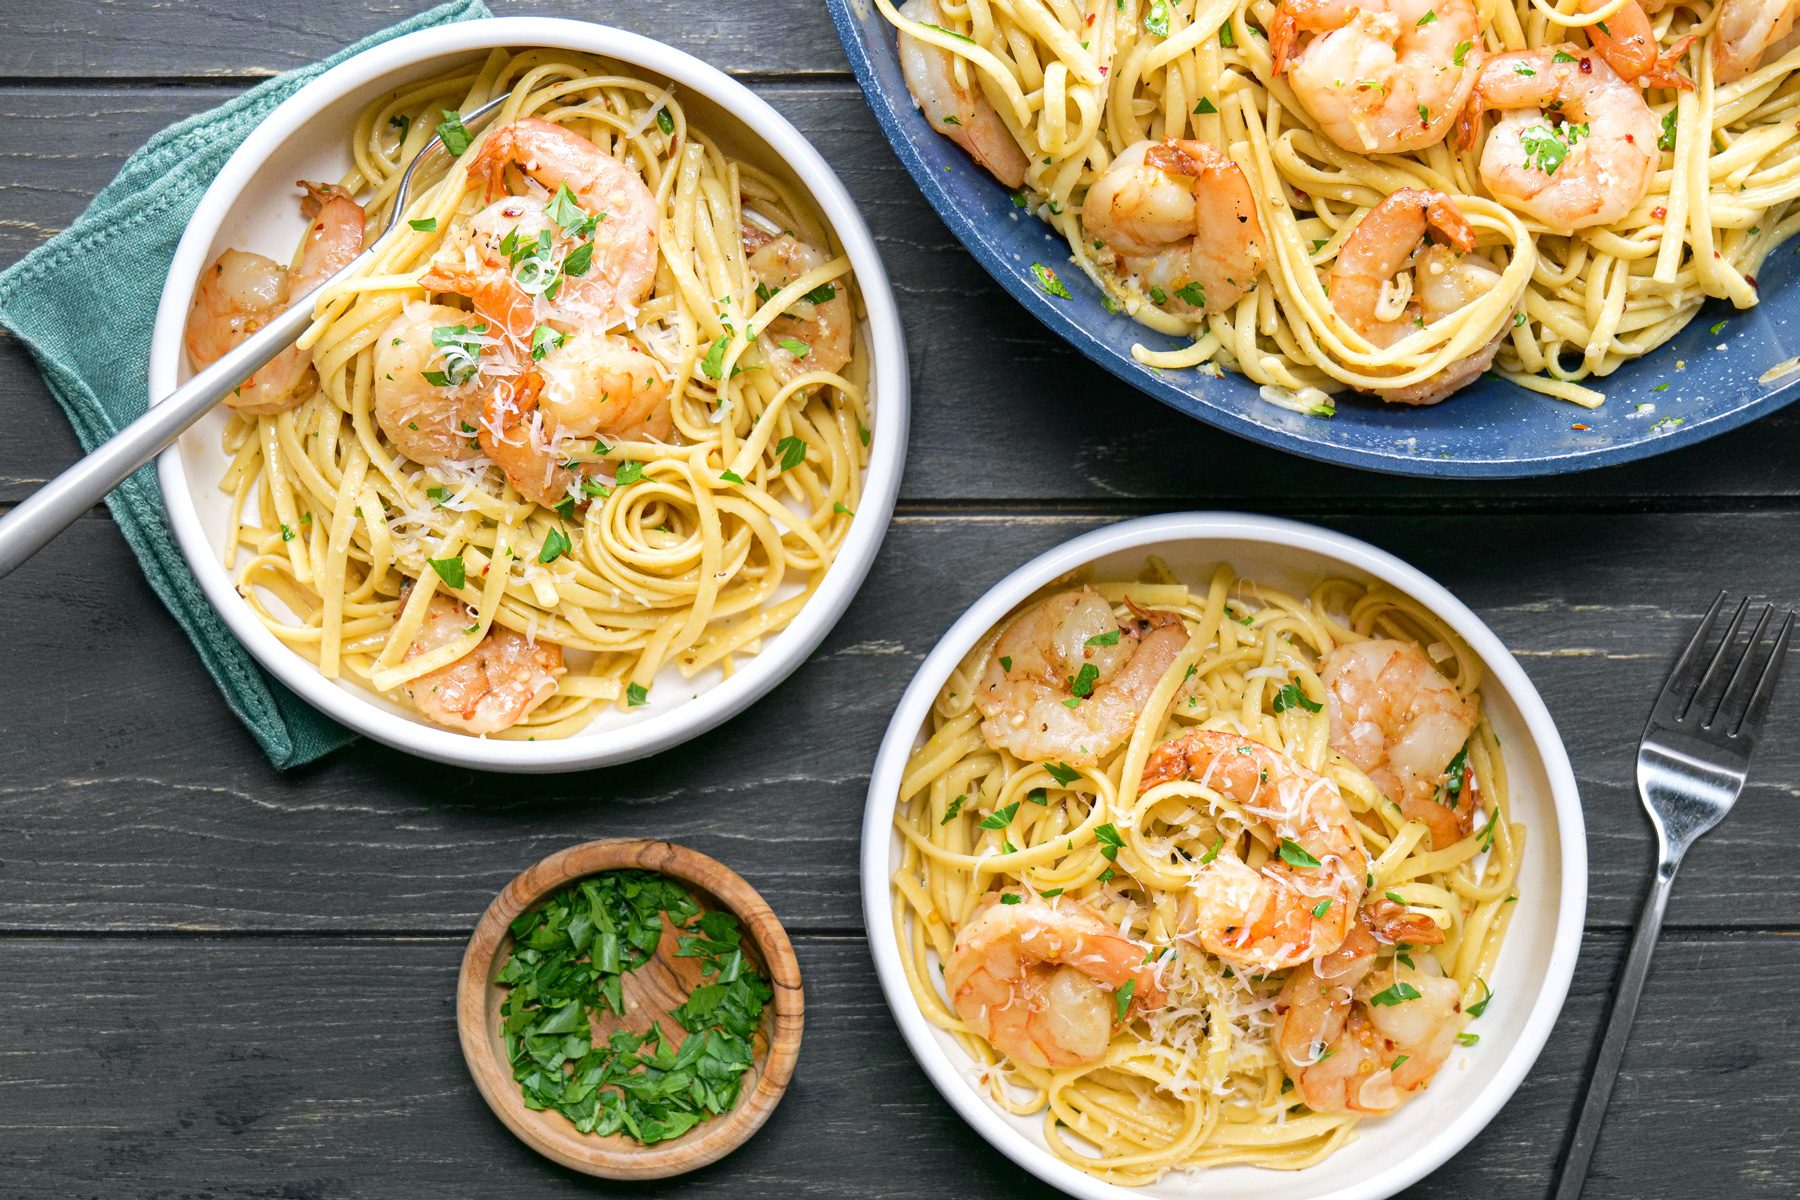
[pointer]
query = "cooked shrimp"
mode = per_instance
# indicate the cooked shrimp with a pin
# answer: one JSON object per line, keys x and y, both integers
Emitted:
{"x": 1628, "y": 44}
{"x": 1359, "y": 1033}
{"x": 494, "y": 686}
{"x": 1179, "y": 217}
{"x": 812, "y": 334}
{"x": 1300, "y": 903}
{"x": 960, "y": 113}
{"x": 241, "y": 292}
{"x": 1749, "y": 33}
{"x": 1397, "y": 718}
{"x": 1379, "y": 76}
{"x": 1577, "y": 146}
{"x": 1446, "y": 278}
{"x": 589, "y": 386}
{"x": 1041, "y": 982}
{"x": 612, "y": 195}
{"x": 1071, "y": 647}
{"x": 430, "y": 422}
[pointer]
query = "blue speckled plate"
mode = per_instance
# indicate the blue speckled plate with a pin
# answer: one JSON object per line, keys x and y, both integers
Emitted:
{"x": 1490, "y": 429}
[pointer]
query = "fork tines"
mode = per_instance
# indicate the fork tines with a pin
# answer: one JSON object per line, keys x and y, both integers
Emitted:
{"x": 1721, "y": 700}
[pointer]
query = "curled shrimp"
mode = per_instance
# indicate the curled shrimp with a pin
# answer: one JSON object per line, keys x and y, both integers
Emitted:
{"x": 1577, "y": 146}
{"x": 1300, "y": 903}
{"x": 1397, "y": 718}
{"x": 1070, "y": 647}
{"x": 1041, "y": 982}
{"x": 421, "y": 412}
{"x": 960, "y": 113}
{"x": 1750, "y": 32}
{"x": 241, "y": 292}
{"x": 1379, "y": 76}
{"x": 1359, "y": 1031}
{"x": 619, "y": 217}
{"x": 1179, "y": 218}
{"x": 492, "y": 687}
{"x": 588, "y": 386}
{"x": 1628, "y": 43}
{"x": 814, "y": 333}
{"x": 1447, "y": 276}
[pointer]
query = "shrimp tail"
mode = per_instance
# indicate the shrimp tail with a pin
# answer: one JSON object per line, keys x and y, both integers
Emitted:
{"x": 1666, "y": 73}
{"x": 1447, "y": 221}
{"x": 1284, "y": 31}
{"x": 1393, "y": 923}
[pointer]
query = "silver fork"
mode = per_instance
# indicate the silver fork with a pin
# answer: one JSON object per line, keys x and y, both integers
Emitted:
{"x": 1691, "y": 767}
{"x": 52, "y": 508}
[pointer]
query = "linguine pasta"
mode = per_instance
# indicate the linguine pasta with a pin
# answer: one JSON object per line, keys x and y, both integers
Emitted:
{"x": 686, "y": 552}
{"x": 1197, "y": 1082}
{"x": 1076, "y": 82}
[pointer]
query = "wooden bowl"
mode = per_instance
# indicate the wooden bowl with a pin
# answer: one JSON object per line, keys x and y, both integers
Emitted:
{"x": 650, "y": 991}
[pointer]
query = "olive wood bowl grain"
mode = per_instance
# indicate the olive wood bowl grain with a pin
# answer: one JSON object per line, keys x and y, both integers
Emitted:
{"x": 650, "y": 992}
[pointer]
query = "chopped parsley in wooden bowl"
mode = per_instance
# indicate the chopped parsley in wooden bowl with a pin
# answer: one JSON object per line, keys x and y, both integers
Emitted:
{"x": 630, "y": 1009}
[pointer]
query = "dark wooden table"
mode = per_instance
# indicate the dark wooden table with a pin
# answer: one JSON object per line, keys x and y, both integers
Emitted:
{"x": 220, "y": 981}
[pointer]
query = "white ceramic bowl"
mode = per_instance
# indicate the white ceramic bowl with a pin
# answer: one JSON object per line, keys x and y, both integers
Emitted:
{"x": 251, "y": 206}
{"x": 1538, "y": 958}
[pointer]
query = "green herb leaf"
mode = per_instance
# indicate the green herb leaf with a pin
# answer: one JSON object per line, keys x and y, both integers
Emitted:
{"x": 451, "y": 129}
{"x": 545, "y": 339}
{"x": 795, "y": 347}
{"x": 1082, "y": 685}
{"x": 450, "y": 570}
{"x": 955, "y": 807}
{"x": 1667, "y": 140}
{"x": 665, "y": 121}
{"x": 1487, "y": 994}
{"x": 1192, "y": 293}
{"x": 1000, "y": 817}
{"x": 425, "y": 224}
{"x": 1038, "y": 795}
{"x": 1047, "y": 280}
{"x": 792, "y": 452}
{"x": 1062, "y": 772}
{"x": 1322, "y": 907}
{"x": 556, "y": 544}
{"x": 1461, "y": 55}
{"x": 1204, "y": 108}
{"x": 1110, "y": 841}
{"x": 1467, "y": 1039}
{"x": 713, "y": 365}
{"x": 1294, "y": 854}
{"x": 1396, "y": 897}
{"x": 1428, "y": 18}
{"x": 636, "y": 694}
{"x": 579, "y": 260}
{"x": 731, "y": 477}
{"x": 1011, "y": 898}
{"x": 1397, "y": 994}
{"x": 1292, "y": 695}
{"x": 627, "y": 473}
{"x": 1156, "y": 18}
{"x": 1212, "y": 853}
{"x": 1122, "y": 999}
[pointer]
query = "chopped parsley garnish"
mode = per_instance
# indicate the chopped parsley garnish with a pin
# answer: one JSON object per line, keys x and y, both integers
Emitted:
{"x": 456, "y": 136}
{"x": 1109, "y": 840}
{"x": 1011, "y": 898}
{"x": 955, "y": 807}
{"x": 1083, "y": 681}
{"x": 1157, "y": 295}
{"x": 1005, "y": 663}
{"x": 628, "y": 472}
{"x": 1522, "y": 69}
{"x": 437, "y": 494}
{"x": 837, "y": 506}
{"x": 1039, "y": 796}
{"x": 1715, "y": 329}
{"x": 1467, "y": 1039}
{"x": 961, "y": 37}
{"x": 1562, "y": 56}
{"x": 792, "y": 451}
{"x": 545, "y": 339}
{"x": 1000, "y": 817}
{"x": 1453, "y": 778}
{"x": 1292, "y": 695}
{"x": 1109, "y": 638}
{"x": 578, "y": 261}
{"x": 1546, "y": 146}
{"x": 1394, "y": 995}
{"x": 1204, "y": 108}
{"x": 1428, "y": 18}
{"x": 795, "y": 347}
{"x": 820, "y": 294}
{"x": 1192, "y": 293}
{"x": 1322, "y": 907}
{"x": 636, "y": 694}
{"x": 1487, "y": 994}
{"x": 1461, "y": 56}
{"x": 425, "y": 224}
{"x": 1156, "y": 18}
{"x": 1667, "y": 140}
{"x": 1048, "y": 281}
{"x": 1214, "y": 852}
{"x": 731, "y": 477}
{"x": 450, "y": 570}
{"x": 1295, "y": 855}
{"x": 665, "y": 121}
{"x": 556, "y": 544}
{"x": 713, "y": 365}
{"x": 460, "y": 348}
{"x": 287, "y": 534}
{"x": 403, "y": 123}
{"x": 1050, "y": 893}
{"x": 1227, "y": 39}
{"x": 567, "y": 967}
{"x": 1122, "y": 998}
{"x": 1062, "y": 772}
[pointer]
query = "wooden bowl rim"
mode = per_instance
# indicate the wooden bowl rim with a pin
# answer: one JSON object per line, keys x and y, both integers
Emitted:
{"x": 583, "y": 1152}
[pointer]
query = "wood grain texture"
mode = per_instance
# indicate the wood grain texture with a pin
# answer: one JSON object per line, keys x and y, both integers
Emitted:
{"x": 224, "y": 39}
{"x": 131, "y": 799}
{"x": 652, "y": 992}
{"x": 326, "y": 1068}
{"x": 1002, "y": 411}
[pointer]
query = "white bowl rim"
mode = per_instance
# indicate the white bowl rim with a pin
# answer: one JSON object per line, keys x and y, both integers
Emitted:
{"x": 890, "y": 382}
{"x": 1002, "y": 598}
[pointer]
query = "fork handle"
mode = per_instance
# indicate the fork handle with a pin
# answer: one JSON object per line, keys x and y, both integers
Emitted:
{"x": 1618, "y": 1033}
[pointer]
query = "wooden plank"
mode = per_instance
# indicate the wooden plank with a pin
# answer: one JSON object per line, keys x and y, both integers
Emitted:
{"x": 131, "y": 799}
{"x": 210, "y": 39}
{"x": 1002, "y": 411}
{"x": 315, "y": 1067}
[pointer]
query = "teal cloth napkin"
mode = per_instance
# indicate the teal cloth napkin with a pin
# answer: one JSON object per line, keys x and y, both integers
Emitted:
{"x": 95, "y": 360}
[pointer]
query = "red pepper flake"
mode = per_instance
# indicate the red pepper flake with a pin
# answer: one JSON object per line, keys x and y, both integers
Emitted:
{"x": 1751, "y": 280}
{"x": 1587, "y": 68}
{"x": 1659, "y": 212}
{"x": 1583, "y": 428}
{"x": 1103, "y": 70}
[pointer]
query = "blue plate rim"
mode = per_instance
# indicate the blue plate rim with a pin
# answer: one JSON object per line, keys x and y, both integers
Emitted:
{"x": 1567, "y": 461}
